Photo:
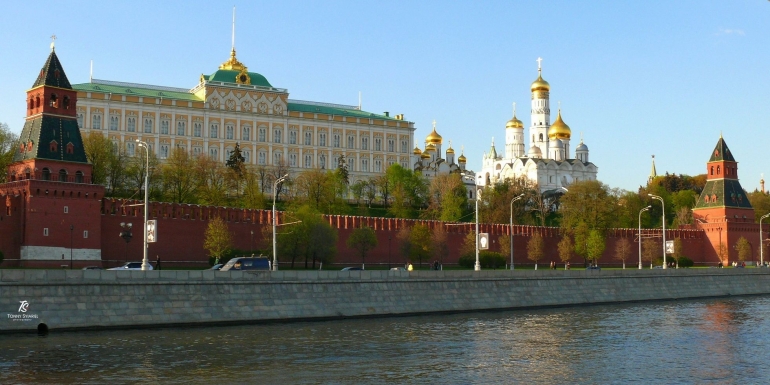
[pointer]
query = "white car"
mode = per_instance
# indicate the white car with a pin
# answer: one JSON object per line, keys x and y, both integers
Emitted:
{"x": 131, "y": 266}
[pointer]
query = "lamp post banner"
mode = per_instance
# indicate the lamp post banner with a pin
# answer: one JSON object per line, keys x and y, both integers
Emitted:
{"x": 483, "y": 241}
{"x": 152, "y": 231}
{"x": 669, "y": 247}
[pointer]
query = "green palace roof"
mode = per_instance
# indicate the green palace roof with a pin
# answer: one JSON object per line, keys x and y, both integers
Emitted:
{"x": 133, "y": 89}
{"x": 229, "y": 76}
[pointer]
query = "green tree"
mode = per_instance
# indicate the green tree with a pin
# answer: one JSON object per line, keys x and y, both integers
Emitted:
{"x": 590, "y": 203}
{"x": 650, "y": 250}
{"x": 217, "y": 239}
{"x": 8, "y": 143}
{"x": 323, "y": 242}
{"x": 420, "y": 239}
{"x": 358, "y": 189}
{"x": 99, "y": 151}
{"x": 253, "y": 197}
{"x": 236, "y": 161}
{"x": 362, "y": 240}
{"x": 294, "y": 239}
{"x": 565, "y": 247}
{"x": 678, "y": 250}
{"x": 342, "y": 171}
{"x": 595, "y": 245}
{"x": 439, "y": 245}
{"x": 535, "y": 248}
{"x": 319, "y": 190}
{"x": 212, "y": 186}
{"x": 623, "y": 250}
{"x": 580, "y": 234}
{"x": 760, "y": 201}
{"x": 447, "y": 198}
{"x": 744, "y": 249}
{"x": 178, "y": 180}
{"x": 404, "y": 240}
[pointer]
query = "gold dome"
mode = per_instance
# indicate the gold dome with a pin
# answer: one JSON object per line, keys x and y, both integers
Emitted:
{"x": 417, "y": 151}
{"x": 514, "y": 123}
{"x": 461, "y": 158}
{"x": 430, "y": 147}
{"x": 540, "y": 84}
{"x": 450, "y": 150}
{"x": 425, "y": 155}
{"x": 433, "y": 137}
{"x": 559, "y": 129}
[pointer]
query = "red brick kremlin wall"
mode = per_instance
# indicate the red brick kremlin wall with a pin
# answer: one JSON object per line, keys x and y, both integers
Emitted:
{"x": 181, "y": 227}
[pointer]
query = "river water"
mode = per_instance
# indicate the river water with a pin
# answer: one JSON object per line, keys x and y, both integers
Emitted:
{"x": 714, "y": 341}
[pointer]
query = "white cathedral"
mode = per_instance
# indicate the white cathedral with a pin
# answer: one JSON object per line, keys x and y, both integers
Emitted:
{"x": 548, "y": 161}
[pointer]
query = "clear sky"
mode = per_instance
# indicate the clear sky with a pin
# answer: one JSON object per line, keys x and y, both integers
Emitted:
{"x": 636, "y": 78}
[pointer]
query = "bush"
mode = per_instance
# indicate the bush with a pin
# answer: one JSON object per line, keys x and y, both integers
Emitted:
{"x": 487, "y": 259}
{"x": 685, "y": 262}
{"x": 491, "y": 260}
{"x": 467, "y": 260}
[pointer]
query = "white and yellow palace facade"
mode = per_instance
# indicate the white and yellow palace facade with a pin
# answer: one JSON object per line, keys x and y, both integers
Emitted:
{"x": 233, "y": 106}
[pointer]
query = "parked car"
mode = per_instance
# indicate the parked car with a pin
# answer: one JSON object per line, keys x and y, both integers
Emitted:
{"x": 132, "y": 266}
{"x": 593, "y": 268}
{"x": 93, "y": 268}
{"x": 351, "y": 268}
{"x": 397, "y": 269}
{"x": 247, "y": 263}
{"x": 216, "y": 267}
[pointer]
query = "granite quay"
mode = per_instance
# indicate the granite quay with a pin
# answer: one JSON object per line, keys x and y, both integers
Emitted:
{"x": 78, "y": 299}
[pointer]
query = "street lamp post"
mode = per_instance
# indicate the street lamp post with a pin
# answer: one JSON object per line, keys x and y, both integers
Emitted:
{"x": 145, "y": 264}
{"x": 640, "y": 234}
{"x": 275, "y": 242}
{"x": 389, "y": 251}
{"x": 476, "y": 267}
{"x": 511, "y": 226}
{"x": 126, "y": 234}
{"x": 663, "y": 204}
{"x": 761, "y": 242}
{"x": 252, "y": 242}
{"x": 72, "y": 230}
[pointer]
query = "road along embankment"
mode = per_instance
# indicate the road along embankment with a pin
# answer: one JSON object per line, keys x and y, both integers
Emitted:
{"x": 74, "y": 299}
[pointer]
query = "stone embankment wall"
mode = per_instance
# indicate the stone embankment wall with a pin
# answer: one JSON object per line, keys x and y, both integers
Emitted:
{"x": 67, "y": 299}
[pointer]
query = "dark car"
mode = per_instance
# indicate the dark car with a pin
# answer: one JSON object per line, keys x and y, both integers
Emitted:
{"x": 132, "y": 266}
{"x": 593, "y": 268}
{"x": 247, "y": 263}
{"x": 216, "y": 267}
{"x": 351, "y": 268}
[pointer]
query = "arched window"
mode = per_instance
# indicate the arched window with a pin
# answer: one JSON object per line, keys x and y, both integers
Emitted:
{"x": 180, "y": 128}
{"x": 37, "y": 102}
{"x": 46, "y": 174}
{"x": 66, "y": 103}
{"x": 62, "y": 175}
{"x": 246, "y": 133}
{"x": 31, "y": 104}
{"x": 712, "y": 171}
{"x": 54, "y": 101}
{"x": 54, "y": 146}
{"x": 79, "y": 177}
{"x": 719, "y": 170}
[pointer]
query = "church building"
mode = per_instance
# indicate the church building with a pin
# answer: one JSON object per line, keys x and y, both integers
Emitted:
{"x": 547, "y": 162}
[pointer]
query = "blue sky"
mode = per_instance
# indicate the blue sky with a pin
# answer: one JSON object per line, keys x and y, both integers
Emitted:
{"x": 636, "y": 78}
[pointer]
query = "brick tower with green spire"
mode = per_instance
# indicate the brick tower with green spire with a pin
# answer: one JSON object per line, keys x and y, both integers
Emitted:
{"x": 723, "y": 210}
{"x": 52, "y": 211}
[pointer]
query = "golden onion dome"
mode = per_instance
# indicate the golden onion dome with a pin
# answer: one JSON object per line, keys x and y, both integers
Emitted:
{"x": 514, "y": 123}
{"x": 540, "y": 84}
{"x": 430, "y": 147}
{"x": 417, "y": 151}
{"x": 425, "y": 155}
{"x": 461, "y": 159}
{"x": 450, "y": 150}
{"x": 434, "y": 137}
{"x": 559, "y": 129}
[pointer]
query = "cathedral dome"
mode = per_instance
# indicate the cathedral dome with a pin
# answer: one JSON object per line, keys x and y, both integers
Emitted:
{"x": 461, "y": 159}
{"x": 534, "y": 152}
{"x": 540, "y": 85}
{"x": 434, "y": 137}
{"x": 559, "y": 129}
{"x": 417, "y": 151}
{"x": 425, "y": 155}
{"x": 514, "y": 123}
{"x": 450, "y": 150}
{"x": 581, "y": 147}
{"x": 430, "y": 147}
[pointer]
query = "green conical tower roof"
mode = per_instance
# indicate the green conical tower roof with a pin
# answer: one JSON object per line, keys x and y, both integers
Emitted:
{"x": 724, "y": 190}
{"x": 52, "y": 74}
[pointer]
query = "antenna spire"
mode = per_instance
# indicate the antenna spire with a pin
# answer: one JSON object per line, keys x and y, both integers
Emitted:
{"x": 91, "y": 74}
{"x": 233, "y": 43}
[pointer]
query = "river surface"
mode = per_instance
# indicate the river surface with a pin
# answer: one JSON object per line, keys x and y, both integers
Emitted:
{"x": 714, "y": 341}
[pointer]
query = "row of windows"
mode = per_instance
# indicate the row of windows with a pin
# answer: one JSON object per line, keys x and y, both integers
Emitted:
{"x": 229, "y": 133}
